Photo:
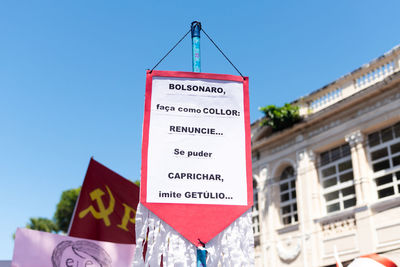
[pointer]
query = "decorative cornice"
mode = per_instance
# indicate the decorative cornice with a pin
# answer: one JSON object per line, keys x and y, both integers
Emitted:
{"x": 288, "y": 228}
{"x": 300, "y": 155}
{"x": 262, "y": 179}
{"x": 311, "y": 156}
{"x": 305, "y": 155}
{"x": 385, "y": 204}
{"x": 339, "y": 215}
{"x": 354, "y": 138}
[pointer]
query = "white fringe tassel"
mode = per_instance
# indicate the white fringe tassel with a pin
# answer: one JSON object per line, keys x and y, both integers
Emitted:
{"x": 232, "y": 247}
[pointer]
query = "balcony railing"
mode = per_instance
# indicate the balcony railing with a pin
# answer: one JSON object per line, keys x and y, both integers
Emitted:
{"x": 352, "y": 83}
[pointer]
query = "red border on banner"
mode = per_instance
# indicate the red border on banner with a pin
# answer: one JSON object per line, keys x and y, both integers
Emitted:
{"x": 196, "y": 221}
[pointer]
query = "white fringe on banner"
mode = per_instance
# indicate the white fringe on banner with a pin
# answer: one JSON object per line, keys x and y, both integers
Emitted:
{"x": 232, "y": 247}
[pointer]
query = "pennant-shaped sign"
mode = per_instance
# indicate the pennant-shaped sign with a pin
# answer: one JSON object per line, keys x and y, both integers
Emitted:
{"x": 196, "y": 164}
{"x": 106, "y": 207}
{"x": 39, "y": 249}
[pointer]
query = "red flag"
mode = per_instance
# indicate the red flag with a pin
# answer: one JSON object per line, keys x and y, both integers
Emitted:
{"x": 106, "y": 207}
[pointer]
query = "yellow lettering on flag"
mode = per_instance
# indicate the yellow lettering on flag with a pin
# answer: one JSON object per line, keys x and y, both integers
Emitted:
{"x": 129, "y": 216}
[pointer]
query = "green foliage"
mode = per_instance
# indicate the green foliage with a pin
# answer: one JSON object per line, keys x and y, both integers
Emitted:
{"x": 279, "y": 118}
{"x": 42, "y": 224}
{"x": 137, "y": 182}
{"x": 65, "y": 208}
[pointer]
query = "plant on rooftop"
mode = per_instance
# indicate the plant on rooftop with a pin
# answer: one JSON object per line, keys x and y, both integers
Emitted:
{"x": 279, "y": 118}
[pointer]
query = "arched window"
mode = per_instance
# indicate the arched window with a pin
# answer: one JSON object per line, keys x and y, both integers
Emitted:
{"x": 288, "y": 203}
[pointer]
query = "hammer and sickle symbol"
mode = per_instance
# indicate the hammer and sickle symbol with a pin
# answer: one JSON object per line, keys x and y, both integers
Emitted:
{"x": 103, "y": 212}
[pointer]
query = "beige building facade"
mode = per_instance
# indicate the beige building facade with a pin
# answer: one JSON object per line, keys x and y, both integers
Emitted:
{"x": 333, "y": 179}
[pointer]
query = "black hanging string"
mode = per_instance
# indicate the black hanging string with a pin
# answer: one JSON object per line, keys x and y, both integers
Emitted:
{"x": 222, "y": 52}
{"x": 219, "y": 49}
{"x": 170, "y": 51}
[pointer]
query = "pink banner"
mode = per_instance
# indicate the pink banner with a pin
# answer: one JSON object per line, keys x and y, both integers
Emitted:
{"x": 40, "y": 249}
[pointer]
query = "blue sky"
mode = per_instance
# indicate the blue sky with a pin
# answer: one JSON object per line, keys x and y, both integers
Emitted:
{"x": 72, "y": 76}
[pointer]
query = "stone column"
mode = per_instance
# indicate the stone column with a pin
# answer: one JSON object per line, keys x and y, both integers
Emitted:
{"x": 271, "y": 256}
{"x": 365, "y": 180}
{"x": 308, "y": 202}
{"x": 364, "y": 223}
{"x": 303, "y": 191}
{"x": 263, "y": 205}
{"x": 355, "y": 140}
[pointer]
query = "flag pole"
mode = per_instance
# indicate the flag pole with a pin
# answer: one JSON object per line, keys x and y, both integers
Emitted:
{"x": 195, "y": 29}
{"x": 196, "y": 67}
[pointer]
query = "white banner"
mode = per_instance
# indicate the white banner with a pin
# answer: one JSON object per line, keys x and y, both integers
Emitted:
{"x": 196, "y": 150}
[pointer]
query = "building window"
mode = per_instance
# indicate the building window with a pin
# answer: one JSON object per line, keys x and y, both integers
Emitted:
{"x": 287, "y": 186}
{"x": 336, "y": 174}
{"x": 384, "y": 151}
{"x": 254, "y": 209}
